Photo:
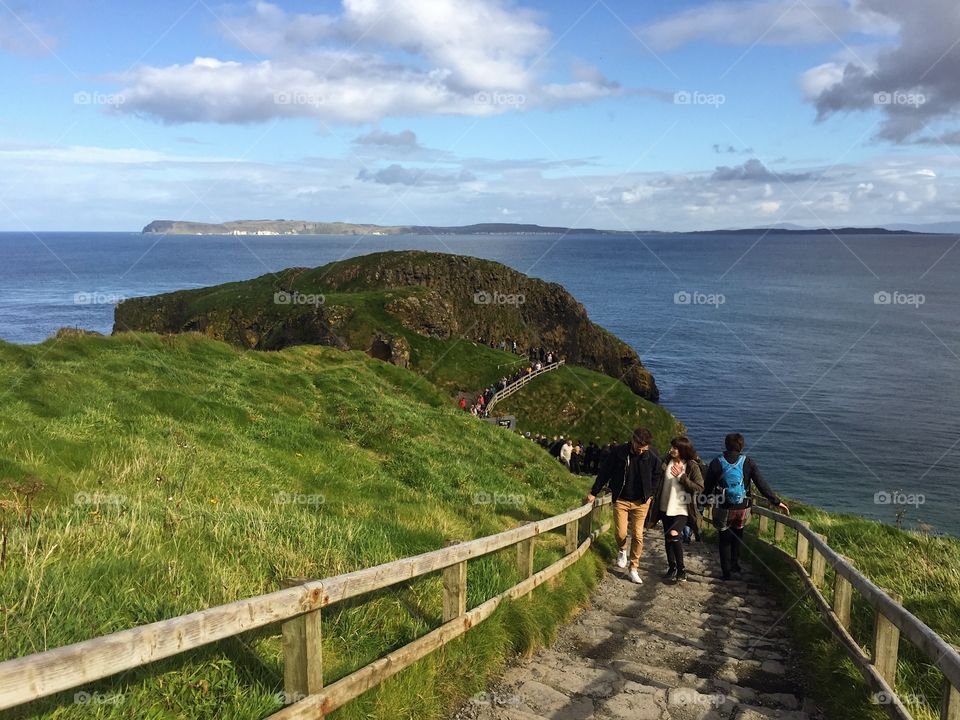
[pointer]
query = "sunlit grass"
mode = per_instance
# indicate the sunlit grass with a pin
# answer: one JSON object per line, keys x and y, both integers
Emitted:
{"x": 179, "y": 473}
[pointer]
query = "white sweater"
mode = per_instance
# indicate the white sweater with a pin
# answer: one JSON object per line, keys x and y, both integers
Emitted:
{"x": 673, "y": 499}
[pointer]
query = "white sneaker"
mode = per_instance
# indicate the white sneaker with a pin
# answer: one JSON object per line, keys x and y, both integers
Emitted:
{"x": 622, "y": 559}
{"x": 635, "y": 577}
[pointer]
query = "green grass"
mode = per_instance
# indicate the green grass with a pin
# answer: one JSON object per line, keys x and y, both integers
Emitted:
{"x": 586, "y": 405}
{"x": 923, "y": 570}
{"x": 180, "y": 473}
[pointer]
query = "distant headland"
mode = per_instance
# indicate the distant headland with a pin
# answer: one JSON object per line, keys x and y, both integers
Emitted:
{"x": 307, "y": 227}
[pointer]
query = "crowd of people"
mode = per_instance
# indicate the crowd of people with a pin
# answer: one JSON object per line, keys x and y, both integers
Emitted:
{"x": 536, "y": 353}
{"x": 580, "y": 459}
{"x": 538, "y": 359}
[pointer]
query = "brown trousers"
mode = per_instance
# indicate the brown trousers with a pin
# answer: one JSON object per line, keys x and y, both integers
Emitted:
{"x": 628, "y": 518}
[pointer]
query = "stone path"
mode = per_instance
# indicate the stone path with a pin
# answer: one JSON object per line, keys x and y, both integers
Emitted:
{"x": 700, "y": 650}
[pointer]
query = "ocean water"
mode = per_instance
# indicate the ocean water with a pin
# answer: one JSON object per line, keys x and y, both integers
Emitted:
{"x": 838, "y": 358}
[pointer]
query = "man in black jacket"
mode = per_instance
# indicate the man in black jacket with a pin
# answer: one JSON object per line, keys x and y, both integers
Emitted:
{"x": 727, "y": 488}
{"x": 632, "y": 471}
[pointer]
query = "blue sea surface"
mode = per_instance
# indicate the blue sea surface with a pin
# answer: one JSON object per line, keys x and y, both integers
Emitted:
{"x": 837, "y": 357}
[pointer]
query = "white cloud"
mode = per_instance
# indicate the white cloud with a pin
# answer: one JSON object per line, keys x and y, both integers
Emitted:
{"x": 124, "y": 188}
{"x": 376, "y": 59}
{"x": 768, "y": 22}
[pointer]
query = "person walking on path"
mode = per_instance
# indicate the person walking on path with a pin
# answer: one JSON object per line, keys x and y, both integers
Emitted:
{"x": 729, "y": 479}
{"x": 632, "y": 471}
{"x": 675, "y": 503}
{"x": 566, "y": 451}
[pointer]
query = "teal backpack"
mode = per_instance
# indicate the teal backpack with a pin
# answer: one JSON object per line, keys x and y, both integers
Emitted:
{"x": 734, "y": 488}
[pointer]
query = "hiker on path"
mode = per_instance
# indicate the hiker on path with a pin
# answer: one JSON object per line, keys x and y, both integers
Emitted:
{"x": 675, "y": 502}
{"x": 566, "y": 451}
{"x": 728, "y": 483}
{"x": 632, "y": 471}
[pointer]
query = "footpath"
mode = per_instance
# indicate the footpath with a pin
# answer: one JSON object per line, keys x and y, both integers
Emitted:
{"x": 700, "y": 650}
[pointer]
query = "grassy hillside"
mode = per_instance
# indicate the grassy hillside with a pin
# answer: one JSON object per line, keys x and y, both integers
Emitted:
{"x": 175, "y": 473}
{"x": 585, "y": 405}
{"x": 369, "y": 302}
{"x": 923, "y": 570}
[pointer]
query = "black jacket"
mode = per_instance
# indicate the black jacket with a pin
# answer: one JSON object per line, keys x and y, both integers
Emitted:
{"x": 751, "y": 477}
{"x": 617, "y": 465}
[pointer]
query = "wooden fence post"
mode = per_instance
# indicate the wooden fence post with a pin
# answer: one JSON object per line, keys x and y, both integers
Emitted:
{"x": 764, "y": 522}
{"x": 842, "y": 599}
{"x": 572, "y": 540}
{"x": 951, "y": 703}
{"x": 302, "y": 652}
{"x": 886, "y": 645}
{"x": 525, "y": 557}
{"x": 454, "y": 589}
{"x": 778, "y": 530}
{"x": 803, "y": 548}
{"x": 586, "y": 524}
{"x": 818, "y": 565}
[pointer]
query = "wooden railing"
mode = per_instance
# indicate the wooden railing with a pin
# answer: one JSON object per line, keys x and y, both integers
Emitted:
{"x": 298, "y": 608}
{"x": 517, "y": 384}
{"x": 891, "y": 619}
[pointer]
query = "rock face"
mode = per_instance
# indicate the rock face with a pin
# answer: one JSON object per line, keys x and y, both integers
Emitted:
{"x": 484, "y": 299}
{"x": 430, "y": 294}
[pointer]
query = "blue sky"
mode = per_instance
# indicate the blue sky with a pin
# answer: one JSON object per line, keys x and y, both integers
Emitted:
{"x": 618, "y": 115}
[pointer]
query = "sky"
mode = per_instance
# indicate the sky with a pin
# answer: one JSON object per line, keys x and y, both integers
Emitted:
{"x": 613, "y": 114}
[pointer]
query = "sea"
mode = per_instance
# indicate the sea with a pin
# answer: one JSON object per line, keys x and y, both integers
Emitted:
{"x": 838, "y": 357}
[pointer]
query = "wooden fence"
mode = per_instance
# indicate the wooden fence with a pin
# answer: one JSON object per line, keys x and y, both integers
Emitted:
{"x": 517, "y": 384}
{"x": 298, "y": 608}
{"x": 891, "y": 620}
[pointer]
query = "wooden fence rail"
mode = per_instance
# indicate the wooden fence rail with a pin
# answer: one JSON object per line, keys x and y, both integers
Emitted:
{"x": 516, "y": 385}
{"x": 891, "y": 620}
{"x": 298, "y": 608}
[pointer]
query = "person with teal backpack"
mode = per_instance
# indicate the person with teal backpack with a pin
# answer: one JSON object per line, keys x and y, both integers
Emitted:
{"x": 727, "y": 488}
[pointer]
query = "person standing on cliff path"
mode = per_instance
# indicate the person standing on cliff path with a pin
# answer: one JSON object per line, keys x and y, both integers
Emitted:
{"x": 633, "y": 472}
{"x": 675, "y": 503}
{"x": 727, "y": 487}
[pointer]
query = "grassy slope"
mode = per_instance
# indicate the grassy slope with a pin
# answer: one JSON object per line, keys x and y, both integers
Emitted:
{"x": 582, "y": 404}
{"x": 924, "y": 571}
{"x": 189, "y": 450}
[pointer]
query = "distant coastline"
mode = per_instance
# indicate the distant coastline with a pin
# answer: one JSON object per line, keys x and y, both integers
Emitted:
{"x": 305, "y": 227}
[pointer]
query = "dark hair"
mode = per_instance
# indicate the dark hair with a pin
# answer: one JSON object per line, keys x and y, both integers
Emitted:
{"x": 641, "y": 437}
{"x": 734, "y": 442}
{"x": 684, "y": 448}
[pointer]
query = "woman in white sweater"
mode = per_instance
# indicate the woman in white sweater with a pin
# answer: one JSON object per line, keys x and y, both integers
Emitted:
{"x": 675, "y": 502}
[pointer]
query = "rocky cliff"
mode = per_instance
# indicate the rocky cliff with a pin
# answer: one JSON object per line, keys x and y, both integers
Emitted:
{"x": 379, "y": 303}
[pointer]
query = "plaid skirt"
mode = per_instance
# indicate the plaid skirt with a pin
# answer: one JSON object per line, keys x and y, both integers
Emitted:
{"x": 732, "y": 519}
